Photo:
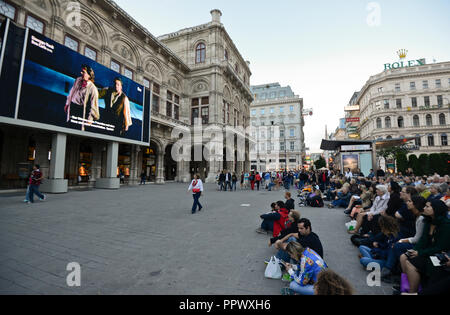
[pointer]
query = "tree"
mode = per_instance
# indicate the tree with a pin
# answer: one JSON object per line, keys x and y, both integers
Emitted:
{"x": 424, "y": 163}
{"x": 402, "y": 162}
{"x": 445, "y": 164}
{"x": 320, "y": 163}
{"x": 435, "y": 163}
{"x": 394, "y": 153}
{"x": 413, "y": 162}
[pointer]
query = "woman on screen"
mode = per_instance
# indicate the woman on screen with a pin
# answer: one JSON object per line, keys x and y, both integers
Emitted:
{"x": 82, "y": 102}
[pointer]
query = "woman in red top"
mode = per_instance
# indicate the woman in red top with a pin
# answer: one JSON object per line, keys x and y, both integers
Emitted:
{"x": 197, "y": 190}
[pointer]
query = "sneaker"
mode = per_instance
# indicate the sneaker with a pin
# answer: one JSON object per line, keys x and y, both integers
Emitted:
{"x": 43, "y": 199}
{"x": 287, "y": 291}
{"x": 26, "y": 201}
{"x": 286, "y": 278}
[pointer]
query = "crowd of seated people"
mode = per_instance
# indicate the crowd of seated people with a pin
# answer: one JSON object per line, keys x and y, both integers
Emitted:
{"x": 402, "y": 224}
{"x": 404, "y": 227}
{"x": 299, "y": 253}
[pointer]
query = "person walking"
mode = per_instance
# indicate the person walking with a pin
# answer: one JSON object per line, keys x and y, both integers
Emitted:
{"x": 258, "y": 180}
{"x": 35, "y": 181}
{"x": 197, "y": 190}
{"x": 143, "y": 178}
{"x": 234, "y": 180}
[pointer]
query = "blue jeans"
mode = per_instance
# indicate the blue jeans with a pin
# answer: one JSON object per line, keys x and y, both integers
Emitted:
{"x": 302, "y": 290}
{"x": 396, "y": 252}
{"x": 367, "y": 257}
{"x": 196, "y": 202}
{"x": 340, "y": 203}
{"x": 233, "y": 186}
{"x": 34, "y": 190}
{"x": 270, "y": 186}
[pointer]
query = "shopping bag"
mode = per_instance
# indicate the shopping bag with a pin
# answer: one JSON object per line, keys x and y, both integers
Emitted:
{"x": 351, "y": 225}
{"x": 273, "y": 269}
{"x": 404, "y": 284}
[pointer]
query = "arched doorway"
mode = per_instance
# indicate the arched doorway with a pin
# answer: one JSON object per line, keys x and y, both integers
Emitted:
{"x": 169, "y": 164}
{"x": 149, "y": 162}
{"x": 124, "y": 162}
{"x": 199, "y": 167}
{"x": 84, "y": 163}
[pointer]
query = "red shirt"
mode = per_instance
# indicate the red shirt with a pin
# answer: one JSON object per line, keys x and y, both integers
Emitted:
{"x": 35, "y": 177}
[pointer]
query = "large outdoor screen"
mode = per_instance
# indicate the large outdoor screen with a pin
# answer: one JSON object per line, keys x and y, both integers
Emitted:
{"x": 63, "y": 88}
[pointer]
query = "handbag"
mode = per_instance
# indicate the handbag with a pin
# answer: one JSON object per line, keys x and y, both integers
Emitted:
{"x": 273, "y": 269}
{"x": 195, "y": 190}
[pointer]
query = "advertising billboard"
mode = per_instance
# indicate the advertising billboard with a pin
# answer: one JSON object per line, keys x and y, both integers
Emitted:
{"x": 350, "y": 161}
{"x": 59, "y": 87}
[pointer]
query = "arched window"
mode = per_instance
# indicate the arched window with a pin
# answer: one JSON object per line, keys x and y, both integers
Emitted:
{"x": 387, "y": 122}
{"x": 200, "y": 53}
{"x": 418, "y": 141}
{"x": 389, "y": 137}
{"x": 430, "y": 140}
{"x": 429, "y": 120}
{"x": 444, "y": 139}
{"x": 401, "y": 122}
{"x": 442, "y": 121}
{"x": 416, "y": 121}
{"x": 379, "y": 126}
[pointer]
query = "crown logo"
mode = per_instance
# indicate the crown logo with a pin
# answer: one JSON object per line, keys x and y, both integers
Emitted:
{"x": 402, "y": 53}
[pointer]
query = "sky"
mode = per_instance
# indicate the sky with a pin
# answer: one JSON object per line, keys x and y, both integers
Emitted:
{"x": 324, "y": 49}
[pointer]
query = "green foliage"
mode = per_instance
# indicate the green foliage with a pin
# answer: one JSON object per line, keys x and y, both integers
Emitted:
{"x": 445, "y": 164}
{"x": 402, "y": 162}
{"x": 320, "y": 163}
{"x": 424, "y": 162}
{"x": 413, "y": 162}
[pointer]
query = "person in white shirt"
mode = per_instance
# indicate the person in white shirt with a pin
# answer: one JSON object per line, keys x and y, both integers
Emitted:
{"x": 349, "y": 174}
{"x": 379, "y": 205}
{"x": 197, "y": 189}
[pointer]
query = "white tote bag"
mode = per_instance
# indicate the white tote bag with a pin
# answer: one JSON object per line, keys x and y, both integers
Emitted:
{"x": 273, "y": 269}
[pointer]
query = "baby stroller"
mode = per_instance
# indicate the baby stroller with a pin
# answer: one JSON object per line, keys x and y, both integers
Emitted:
{"x": 303, "y": 196}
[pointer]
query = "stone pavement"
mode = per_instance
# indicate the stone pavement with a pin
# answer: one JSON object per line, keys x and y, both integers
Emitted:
{"x": 144, "y": 240}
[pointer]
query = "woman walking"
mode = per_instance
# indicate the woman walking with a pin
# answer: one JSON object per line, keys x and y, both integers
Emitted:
{"x": 197, "y": 190}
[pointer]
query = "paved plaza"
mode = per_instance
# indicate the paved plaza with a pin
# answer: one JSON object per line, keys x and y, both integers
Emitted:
{"x": 144, "y": 240}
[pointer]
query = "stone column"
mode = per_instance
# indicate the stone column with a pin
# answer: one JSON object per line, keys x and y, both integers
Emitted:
{"x": 56, "y": 184}
{"x": 184, "y": 175}
{"x": 112, "y": 158}
{"x": 160, "y": 169}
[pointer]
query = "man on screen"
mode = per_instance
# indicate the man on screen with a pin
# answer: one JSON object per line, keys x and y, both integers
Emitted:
{"x": 82, "y": 102}
{"x": 117, "y": 107}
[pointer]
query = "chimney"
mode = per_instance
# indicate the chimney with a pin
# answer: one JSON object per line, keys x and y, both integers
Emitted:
{"x": 216, "y": 14}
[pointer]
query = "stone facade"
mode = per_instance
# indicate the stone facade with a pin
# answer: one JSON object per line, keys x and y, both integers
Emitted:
{"x": 109, "y": 35}
{"x": 408, "y": 102}
{"x": 277, "y": 127}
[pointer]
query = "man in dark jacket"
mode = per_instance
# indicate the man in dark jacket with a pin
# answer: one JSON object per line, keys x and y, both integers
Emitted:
{"x": 305, "y": 236}
{"x": 290, "y": 203}
{"x": 222, "y": 180}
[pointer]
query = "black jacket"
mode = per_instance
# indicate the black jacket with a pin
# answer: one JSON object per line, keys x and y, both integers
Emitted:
{"x": 290, "y": 230}
{"x": 311, "y": 241}
{"x": 290, "y": 204}
{"x": 394, "y": 204}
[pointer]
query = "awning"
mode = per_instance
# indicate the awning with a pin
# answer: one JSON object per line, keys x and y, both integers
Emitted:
{"x": 334, "y": 145}
{"x": 389, "y": 143}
